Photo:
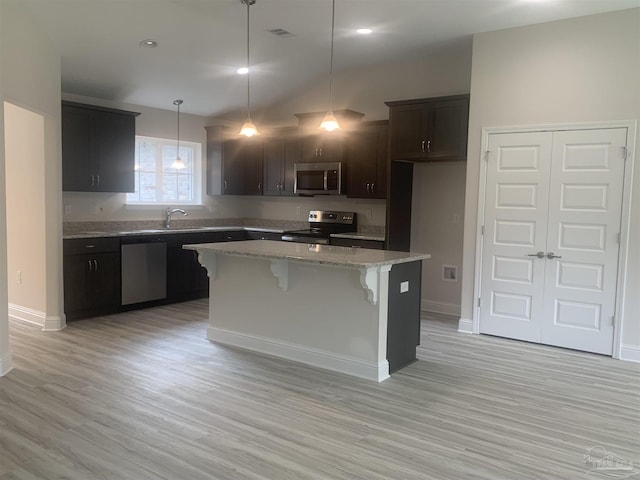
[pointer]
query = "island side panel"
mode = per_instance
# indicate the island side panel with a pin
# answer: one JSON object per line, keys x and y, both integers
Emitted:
{"x": 323, "y": 318}
{"x": 404, "y": 314}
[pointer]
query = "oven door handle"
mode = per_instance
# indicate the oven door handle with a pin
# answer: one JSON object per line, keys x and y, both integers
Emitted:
{"x": 302, "y": 239}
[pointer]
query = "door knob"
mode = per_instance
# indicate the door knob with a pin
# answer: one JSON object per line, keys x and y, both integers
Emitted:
{"x": 551, "y": 256}
{"x": 540, "y": 254}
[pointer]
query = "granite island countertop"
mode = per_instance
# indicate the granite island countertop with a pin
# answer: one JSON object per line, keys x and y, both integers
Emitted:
{"x": 350, "y": 257}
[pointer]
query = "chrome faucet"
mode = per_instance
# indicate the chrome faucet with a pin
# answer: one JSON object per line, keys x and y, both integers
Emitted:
{"x": 169, "y": 212}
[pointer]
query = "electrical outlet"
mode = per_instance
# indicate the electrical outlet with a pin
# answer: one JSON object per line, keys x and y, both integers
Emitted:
{"x": 404, "y": 287}
{"x": 298, "y": 211}
{"x": 456, "y": 218}
{"x": 67, "y": 209}
{"x": 367, "y": 213}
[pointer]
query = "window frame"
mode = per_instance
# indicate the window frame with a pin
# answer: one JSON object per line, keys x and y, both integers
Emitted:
{"x": 196, "y": 175}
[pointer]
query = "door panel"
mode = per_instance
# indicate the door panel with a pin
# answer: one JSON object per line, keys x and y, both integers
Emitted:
{"x": 560, "y": 194}
{"x": 515, "y": 227}
{"x": 584, "y": 221}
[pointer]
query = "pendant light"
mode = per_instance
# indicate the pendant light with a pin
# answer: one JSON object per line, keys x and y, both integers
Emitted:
{"x": 178, "y": 164}
{"x": 329, "y": 123}
{"x": 248, "y": 128}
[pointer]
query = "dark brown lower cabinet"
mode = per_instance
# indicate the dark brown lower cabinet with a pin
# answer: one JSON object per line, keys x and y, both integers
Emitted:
{"x": 91, "y": 277}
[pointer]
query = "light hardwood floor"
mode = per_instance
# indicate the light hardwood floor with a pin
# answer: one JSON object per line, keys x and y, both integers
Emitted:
{"x": 143, "y": 395}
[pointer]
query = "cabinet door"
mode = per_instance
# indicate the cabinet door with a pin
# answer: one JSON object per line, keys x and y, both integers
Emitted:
{"x": 252, "y": 153}
{"x": 113, "y": 144}
{"x": 76, "y": 285}
{"x": 76, "y": 156}
{"x": 324, "y": 147}
{"x": 367, "y": 162}
{"x": 280, "y": 154}
{"x": 233, "y": 181}
{"x": 362, "y": 152}
{"x": 447, "y": 127}
{"x": 104, "y": 281}
{"x": 408, "y": 125}
{"x": 273, "y": 165}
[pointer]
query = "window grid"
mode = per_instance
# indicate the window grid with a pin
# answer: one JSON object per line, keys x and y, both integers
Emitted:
{"x": 156, "y": 182}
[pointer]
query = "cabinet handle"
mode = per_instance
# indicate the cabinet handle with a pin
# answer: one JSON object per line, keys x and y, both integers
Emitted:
{"x": 225, "y": 185}
{"x": 422, "y": 145}
{"x": 95, "y": 265}
{"x": 539, "y": 254}
{"x": 98, "y": 180}
{"x": 373, "y": 186}
{"x": 93, "y": 180}
{"x": 260, "y": 187}
{"x": 551, "y": 256}
{"x": 90, "y": 265}
{"x": 428, "y": 145}
{"x": 320, "y": 152}
{"x": 368, "y": 187}
{"x": 89, "y": 246}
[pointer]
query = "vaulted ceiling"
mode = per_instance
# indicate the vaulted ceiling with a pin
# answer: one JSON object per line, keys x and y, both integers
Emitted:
{"x": 201, "y": 43}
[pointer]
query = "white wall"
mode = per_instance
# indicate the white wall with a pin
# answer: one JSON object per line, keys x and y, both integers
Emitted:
{"x": 584, "y": 69}
{"x": 437, "y": 228}
{"x": 25, "y": 176}
{"x": 6, "y": 363}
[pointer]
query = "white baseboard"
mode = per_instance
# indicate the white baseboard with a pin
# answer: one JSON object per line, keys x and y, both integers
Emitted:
{"x": 630, "y": 353}
{"x": 35, "y": 317}
{"x": 440, "y": 307}
{"x": 54, "y": 324}
{"x": 300, "y": 353}
{"x": 465, "y": 325}
{"x": 6, "y": 364}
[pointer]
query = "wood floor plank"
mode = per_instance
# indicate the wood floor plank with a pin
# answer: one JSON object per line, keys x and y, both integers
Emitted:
{"x": 143, "y": 395}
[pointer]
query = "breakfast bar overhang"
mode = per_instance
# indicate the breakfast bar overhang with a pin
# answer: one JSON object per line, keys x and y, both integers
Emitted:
{"x": 350, "y": 310}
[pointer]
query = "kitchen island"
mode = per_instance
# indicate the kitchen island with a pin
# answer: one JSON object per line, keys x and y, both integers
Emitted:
{"x": 351, "y": 310}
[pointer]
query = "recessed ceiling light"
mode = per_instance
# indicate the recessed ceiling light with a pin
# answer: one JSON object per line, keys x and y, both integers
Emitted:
{"x": 364, "y": 31}
{"x": 242, "y": 70}
{"x": 148, "y": 43}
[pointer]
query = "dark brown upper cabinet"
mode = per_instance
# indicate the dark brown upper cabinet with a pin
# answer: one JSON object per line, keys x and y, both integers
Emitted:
{"x": 367, "y": 152}
{"x": 282, "y": 148}
{"x": 429, "y": 129}
{"x": 98, "y": 149}
{"x": 234, "y": 163}
{"x": 321, "y": 146}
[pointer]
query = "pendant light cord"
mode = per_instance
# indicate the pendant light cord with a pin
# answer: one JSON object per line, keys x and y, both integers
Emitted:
{"x": 248, "y": 68}
{"x": 178, "y": 103}
{"x": 333, "y": 18}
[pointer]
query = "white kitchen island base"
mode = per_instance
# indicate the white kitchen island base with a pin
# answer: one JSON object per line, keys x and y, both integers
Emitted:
{"x": 292, "y": 301}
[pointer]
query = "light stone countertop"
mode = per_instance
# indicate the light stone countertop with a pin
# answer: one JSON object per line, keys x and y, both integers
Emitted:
{"x": 310, "y": 253}
{"x": 166, "y": 231}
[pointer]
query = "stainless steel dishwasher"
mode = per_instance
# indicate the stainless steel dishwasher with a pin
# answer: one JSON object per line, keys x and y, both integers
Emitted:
{"x": 144, "y": 269}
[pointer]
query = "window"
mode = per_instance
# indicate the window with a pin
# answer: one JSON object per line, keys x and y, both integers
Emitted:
{"x": 158, "y": 183}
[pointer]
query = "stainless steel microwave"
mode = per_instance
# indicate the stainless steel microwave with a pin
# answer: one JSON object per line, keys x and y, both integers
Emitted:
{"x": 317, "y": 178}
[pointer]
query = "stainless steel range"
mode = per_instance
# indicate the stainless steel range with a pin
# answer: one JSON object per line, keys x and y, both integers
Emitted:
{"x": 322, "y": 223}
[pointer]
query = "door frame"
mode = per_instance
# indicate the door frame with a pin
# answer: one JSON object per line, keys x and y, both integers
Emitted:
{"x": 631, "y": 126}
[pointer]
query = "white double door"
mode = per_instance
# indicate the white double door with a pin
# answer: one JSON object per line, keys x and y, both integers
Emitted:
{"x": 552, "y": 215}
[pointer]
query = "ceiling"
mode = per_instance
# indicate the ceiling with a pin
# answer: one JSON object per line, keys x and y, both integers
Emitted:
{"x": 201, "y": 43}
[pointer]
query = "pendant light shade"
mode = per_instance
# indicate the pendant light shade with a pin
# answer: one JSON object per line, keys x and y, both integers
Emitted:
{"x": 329, "y": 123}
{"x": 248, "y": 128}
{"x": 178, "y": 164}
